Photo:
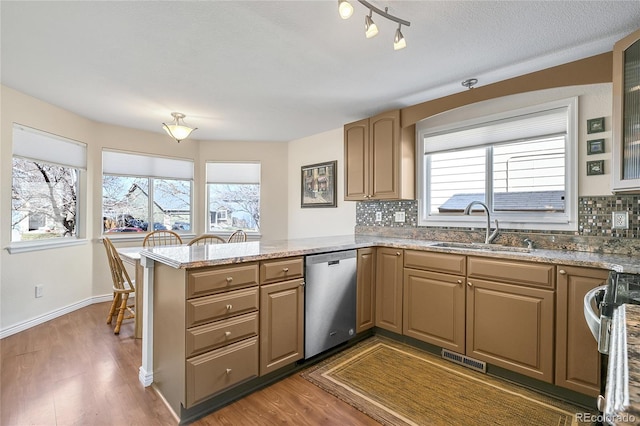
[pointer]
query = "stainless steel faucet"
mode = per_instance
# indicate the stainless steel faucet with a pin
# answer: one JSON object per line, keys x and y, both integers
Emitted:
{"x": 489, "y": 238}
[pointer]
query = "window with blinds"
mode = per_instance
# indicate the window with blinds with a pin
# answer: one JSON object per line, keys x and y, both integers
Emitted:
{"x": 520, "y": 164}
{"x": 144, "y": 193}
{"x": 233, "y": 196}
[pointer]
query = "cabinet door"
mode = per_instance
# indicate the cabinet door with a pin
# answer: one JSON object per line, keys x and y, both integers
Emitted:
{"x": 434, "y": 308}
{"x": 384, "y": 139}
{"x": 281, "y": 324}
{"x": 512, "y": 327}
{"x": 389, "y": 289}
{"x": 577, "y": 356}
{"x": 356, "y": 160}
{"x": 626, "y": 98}
{"x": 365, "y": 278}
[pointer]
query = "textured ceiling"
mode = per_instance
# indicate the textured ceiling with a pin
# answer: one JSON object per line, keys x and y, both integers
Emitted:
{"x": 282, "y": 70}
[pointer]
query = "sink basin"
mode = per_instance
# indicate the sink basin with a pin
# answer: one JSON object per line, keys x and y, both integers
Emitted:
{"x": 482, "y": 246}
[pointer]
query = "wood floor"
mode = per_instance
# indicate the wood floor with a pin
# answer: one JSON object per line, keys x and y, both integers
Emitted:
{"x": 74, "y": 371}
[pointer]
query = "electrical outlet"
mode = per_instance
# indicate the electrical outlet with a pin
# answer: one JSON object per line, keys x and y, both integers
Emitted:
{"x": 399, "y": 217}
{"x": 378, "y": 216}
{"x": 620, "y": 220}
{"x": 39, "y": 290}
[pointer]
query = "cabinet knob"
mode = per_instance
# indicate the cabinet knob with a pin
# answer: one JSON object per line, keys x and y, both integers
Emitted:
{"x": 285, "y": 269}
{"x": 229, "y": 307}
{"x": 302, "y": 284}
{"x": 227, "y": 333}
{"x": 229, "y": 279}
{"x": 398, "y": 253}
{"x": 562, "y": 272}
{"x": 228, "y": 371}
{"x": 469, "y": 284}
{"x": 459, "y": 281}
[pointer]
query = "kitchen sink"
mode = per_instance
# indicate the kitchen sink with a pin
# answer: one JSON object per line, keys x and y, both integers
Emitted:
{"x": 482, "y": 246}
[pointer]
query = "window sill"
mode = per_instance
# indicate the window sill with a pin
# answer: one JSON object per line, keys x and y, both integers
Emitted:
{"x": 29, "y": 246}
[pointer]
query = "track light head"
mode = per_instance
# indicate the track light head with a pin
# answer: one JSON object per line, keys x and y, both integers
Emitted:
{"x": 370, "y": 27}
{"x": 345, "y": 9}
{"x": 399, "y": 42}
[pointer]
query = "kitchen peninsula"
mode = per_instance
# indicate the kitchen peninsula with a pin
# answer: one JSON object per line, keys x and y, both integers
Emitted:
{"x": 186, "y": 287}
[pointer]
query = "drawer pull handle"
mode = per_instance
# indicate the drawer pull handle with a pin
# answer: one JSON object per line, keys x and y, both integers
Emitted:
{"x": 227, "y": 333}
{"x": 228, "y": 371}
{"x": 285, "y": 269}
{"x": 229, "y": 307}
{"x": 562, "y": 272}
{"x": 229, "y": 279}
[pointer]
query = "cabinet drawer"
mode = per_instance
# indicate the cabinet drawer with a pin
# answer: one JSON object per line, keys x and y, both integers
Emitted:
{"x": 216, "y": 280}
{"x": 280, "y": 270}
{"x": 219, "y": 306}
{"x": 220, "y": 333}
{"x": 512, "y": 271}
{"x": 215, "y": 371}
{"x": 437, "y": 262}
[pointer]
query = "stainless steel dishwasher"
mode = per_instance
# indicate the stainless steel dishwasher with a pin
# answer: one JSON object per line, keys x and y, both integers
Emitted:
{"x": 329, "y": 301}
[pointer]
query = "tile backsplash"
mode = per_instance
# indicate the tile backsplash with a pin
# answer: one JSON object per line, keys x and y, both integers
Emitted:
{"x": 594, "y": 232}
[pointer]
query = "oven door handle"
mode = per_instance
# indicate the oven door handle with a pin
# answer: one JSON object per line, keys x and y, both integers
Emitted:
{"x": 592, "y": 318}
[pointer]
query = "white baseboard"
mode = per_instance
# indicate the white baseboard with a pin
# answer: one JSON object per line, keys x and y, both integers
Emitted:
{"x": 6, "y": 332}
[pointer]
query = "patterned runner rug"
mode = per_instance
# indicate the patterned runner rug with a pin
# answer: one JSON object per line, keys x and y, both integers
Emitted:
{"x": 397, "y": 384}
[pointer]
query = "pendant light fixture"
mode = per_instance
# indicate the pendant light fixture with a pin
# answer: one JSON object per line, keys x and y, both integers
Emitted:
{"x": 345, "y": 9}
{"x": 178, "y": 129}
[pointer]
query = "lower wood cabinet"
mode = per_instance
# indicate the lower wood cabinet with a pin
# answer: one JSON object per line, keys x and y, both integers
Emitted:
{"x": 281, "y": 324}
{"x": 434, "y": 298}
{"x": 389, "y": 273}
{"x": 511, "y": 326}
{"x": 365, "y": 292}
{"x": 578, "y": 364}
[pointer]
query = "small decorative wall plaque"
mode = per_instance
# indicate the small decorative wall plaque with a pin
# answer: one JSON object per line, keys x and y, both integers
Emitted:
{"x": 595, "y": 125}
{"x": 595, "y": 167}
{"x": 595, "y": 146}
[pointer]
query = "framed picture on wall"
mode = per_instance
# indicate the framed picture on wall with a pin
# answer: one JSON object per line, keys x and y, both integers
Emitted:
{"x": 595, "y": 146}
{"x": 318, "y": 186}
{"x": 595, "y": 125}
{"x": 595, "y": 167}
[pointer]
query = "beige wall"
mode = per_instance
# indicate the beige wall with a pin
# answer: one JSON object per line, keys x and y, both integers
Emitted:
{"x": 78, "y": 275}
{"x": 325, "y": 221}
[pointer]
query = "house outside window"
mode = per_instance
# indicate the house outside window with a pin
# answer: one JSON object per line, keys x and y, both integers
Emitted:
{"x": 521, "y": 164}
{"x": 233, "y": 196}
{"x": 143, "y": 193}
{"x": 45, "y": 185}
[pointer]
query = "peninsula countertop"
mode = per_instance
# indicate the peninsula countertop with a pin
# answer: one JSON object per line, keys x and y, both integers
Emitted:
{"x": 186, "y": 257}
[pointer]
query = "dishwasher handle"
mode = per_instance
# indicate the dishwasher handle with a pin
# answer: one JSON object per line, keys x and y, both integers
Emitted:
{"x": 591, "y": 317}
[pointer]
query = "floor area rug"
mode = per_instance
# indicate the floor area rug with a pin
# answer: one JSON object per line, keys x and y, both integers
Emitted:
{"x": 396, "y": 384}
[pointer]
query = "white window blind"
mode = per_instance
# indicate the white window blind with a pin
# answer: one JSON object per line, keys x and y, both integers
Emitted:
{"x": 553, "y": 121}
{"x": 129, "y": 164}
{"x": 233, "y": 173}
{"x": 37, "y": 145}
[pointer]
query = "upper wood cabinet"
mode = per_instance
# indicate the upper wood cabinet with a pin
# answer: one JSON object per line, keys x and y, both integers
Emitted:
{"x": 626, "y": 114}
{"x": 379, "y": 159}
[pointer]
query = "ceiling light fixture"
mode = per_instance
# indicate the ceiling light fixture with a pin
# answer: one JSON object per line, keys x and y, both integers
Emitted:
{"x": 371, "y": 29}
{"x": 178, "y": 129}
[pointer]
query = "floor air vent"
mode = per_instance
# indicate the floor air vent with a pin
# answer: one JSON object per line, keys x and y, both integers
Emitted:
{"x": 464, "y": 360}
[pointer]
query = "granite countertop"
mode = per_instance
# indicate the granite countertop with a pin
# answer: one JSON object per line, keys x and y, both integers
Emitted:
{"x": 622, "y": 396}
{"x": 184, "y": 256}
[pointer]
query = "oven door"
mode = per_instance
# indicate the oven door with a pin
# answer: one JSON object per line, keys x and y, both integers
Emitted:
{"x": 597, "y": 322}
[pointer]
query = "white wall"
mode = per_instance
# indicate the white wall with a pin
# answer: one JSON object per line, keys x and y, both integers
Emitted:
{"x": 78, "y": 275}
{"x": 324, "y": 221}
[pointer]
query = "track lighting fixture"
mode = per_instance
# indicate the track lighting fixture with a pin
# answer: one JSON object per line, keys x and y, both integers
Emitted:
{"x": 178, "y": 129}
{"x": 345, "y": 9}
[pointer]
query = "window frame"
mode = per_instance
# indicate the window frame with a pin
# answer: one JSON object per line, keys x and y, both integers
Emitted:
{"x": 150, "y": 177}
{"x": 567, "y": 221}
{"x": 30, "y": 148}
